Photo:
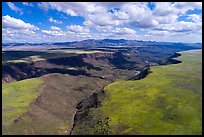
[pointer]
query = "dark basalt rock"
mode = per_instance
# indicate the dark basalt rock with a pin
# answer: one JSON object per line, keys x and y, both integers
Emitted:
{"x": 90, "y": 102}
{"x": 173, "y": 61}
{"x": 18, "y": 71}
{"x": 83, "y": 107}
{"x": 142, "y": 74}
{"x": 119, "y": 61}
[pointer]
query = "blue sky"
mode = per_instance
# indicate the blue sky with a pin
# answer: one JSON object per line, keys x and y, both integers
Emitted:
{"x": 70, "y": 21}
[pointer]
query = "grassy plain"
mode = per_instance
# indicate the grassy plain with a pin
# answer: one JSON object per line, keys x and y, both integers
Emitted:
{"x": 167, "y": 102}
{"x": 16, "y": 98}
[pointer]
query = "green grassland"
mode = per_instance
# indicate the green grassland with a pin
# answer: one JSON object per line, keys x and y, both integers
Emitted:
{"x": 16, "y": 98}
{"x": 167, "y": 102}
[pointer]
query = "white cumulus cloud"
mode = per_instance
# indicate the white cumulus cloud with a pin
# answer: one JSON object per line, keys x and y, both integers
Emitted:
{"x": 9, "y": 22}
{"x": 115, "y": 20}
{"x": 123, "y": 31}
{"x": 77, "y": 29}
{"x": 54, "y": 31}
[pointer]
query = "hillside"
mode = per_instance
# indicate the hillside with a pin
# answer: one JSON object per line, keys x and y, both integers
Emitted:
{"x": 167, "y": 101}
{"x": 47, "y": 109}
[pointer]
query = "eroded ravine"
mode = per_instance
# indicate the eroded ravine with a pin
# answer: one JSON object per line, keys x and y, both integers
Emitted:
{"x": 63, "y": 103}
{"x": 92, "y": 101}
{"x": 52, "y": 111}
{"x": 83, "y": 107}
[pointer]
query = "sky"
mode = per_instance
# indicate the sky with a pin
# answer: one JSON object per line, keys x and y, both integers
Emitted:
{"x": 38, "y": 22}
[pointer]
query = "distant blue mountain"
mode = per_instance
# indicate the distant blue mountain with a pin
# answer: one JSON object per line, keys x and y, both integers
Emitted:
{"x": 108, "y": 42}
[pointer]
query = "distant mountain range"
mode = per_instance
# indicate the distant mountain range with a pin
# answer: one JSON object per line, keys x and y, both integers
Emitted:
{"x": 106, "y": 43}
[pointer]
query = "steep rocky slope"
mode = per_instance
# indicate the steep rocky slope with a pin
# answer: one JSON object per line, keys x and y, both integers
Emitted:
{"x": 52, "y": 112}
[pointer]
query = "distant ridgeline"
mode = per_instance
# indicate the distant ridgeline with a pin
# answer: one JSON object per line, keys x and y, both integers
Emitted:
{"x": 111, "y": 42}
